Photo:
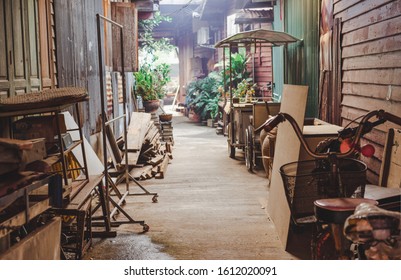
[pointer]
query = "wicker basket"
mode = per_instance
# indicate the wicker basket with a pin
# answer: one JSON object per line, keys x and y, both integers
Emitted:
{"x": 42, "y": 99}
{"x": 307, "y": 181}
{"x": 166, "y": 117}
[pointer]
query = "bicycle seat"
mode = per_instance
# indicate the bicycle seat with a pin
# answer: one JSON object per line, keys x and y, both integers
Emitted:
{"x": 337, "y": 210}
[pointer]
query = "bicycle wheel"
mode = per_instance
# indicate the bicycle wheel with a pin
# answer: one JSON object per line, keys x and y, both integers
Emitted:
{"x": 248, "y": 149}
{"x": 323, "y": 246}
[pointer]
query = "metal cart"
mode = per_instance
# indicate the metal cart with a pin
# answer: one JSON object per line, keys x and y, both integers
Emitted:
{"x": 253, "y": 146}
{"x": 239, "y": 119}
{"x": 238, "y": 113}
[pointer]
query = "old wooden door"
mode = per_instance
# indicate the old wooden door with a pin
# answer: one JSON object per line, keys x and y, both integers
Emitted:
{"x": 19, "y": 65}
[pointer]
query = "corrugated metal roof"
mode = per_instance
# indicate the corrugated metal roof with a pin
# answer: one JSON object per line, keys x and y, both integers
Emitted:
{"x": 254, "y": 16}
{"x": 275, "y": 38}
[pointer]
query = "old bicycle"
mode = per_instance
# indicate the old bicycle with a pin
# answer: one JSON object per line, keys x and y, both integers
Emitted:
{"x": 325, "y": 191}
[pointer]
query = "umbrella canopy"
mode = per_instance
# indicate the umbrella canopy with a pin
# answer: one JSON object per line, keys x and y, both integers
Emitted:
{"x": 275, "y": 38}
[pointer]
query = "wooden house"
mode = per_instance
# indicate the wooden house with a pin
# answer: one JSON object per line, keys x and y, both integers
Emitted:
{"x": 349, "y": 58}
{"x": 362, "y": 43}
{"x": 197, "y": 27}
{"x": 53, "y": 43}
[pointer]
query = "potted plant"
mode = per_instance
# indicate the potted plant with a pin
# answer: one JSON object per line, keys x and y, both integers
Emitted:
{"x": 150, "y": 82}
{"x": 203, "y": 96}
{"x": 245, "y": 91}
{"x": 153, "y": 75}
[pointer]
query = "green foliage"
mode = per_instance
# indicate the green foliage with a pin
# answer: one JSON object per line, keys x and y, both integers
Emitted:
{"x": 151, "y": 80}
{"x": 238, "y": 70}
{"x": 148, "y": 43}
{"x": 244, "y": 88}
{"x": 203, "y": 96}
{"x": 152, "y": 76}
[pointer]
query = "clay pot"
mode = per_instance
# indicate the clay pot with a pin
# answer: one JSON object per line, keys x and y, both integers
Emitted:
{"x": 166, "y": 117}
{"x": 151, "y": 105}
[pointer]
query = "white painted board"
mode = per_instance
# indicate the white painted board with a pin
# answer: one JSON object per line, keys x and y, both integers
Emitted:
{"x": 287, "y": 149}
{"x": 95, "y": 166}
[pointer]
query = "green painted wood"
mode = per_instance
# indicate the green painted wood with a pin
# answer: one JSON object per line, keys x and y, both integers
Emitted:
{"x": 301, "y": 19}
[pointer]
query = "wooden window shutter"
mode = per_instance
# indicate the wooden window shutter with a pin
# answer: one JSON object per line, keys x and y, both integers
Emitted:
{"x": 126, "y": 15}
{"x": 46, "y": 44}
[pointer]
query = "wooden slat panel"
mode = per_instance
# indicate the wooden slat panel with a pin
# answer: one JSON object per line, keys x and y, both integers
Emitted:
{"x": 379, "y": 132}
{"x": 376, "y": 31}
{"x": 137, "y": 131}
{"x": 44, "y": 45}
{"x": 342, "y": 5}
{"x": 388, "y": 44}
{"x": 4, "y": 56}
{"x": 32, "y": 35}
{"x": 373, "y": 91}
{"x": 385, "y": 60}
{"x": 361, "y": 8}
{"x": 18, "y": 40}
{"x": 125, "y": 14}
{"x": 370, "y": 104}
{"x": 374, "y": 76}
{"x": 373, "y": 16}
{"x": 371, "y": 48}
{"x": 375, "y": 137}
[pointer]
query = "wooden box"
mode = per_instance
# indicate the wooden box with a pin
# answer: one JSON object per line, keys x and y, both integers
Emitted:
{"x": 15, "y": 154}
{"x": 39, "y": 127}
{"x": 315, "y": 133}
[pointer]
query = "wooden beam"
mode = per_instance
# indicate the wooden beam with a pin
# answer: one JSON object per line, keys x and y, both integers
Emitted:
{"x": 137, "y": 131}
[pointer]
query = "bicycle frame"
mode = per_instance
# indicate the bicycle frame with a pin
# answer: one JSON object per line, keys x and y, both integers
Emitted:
{"x": 355, "y": 134}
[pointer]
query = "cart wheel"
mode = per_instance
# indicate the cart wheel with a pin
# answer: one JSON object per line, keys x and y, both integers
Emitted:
{"x": 248, "y": 150}
{"x": 154, "y": 198}
{"x": 231, "y": 149}
{"x": 145, "y": 228}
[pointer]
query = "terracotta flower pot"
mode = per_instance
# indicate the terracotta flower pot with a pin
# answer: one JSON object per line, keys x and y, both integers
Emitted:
{"x": 166, "y": 117}
{"x": 151, "y": 105}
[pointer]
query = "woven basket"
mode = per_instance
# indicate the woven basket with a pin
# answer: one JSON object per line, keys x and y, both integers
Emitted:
{"x": 43, "y": 99}
{"x": 307, "y": 181}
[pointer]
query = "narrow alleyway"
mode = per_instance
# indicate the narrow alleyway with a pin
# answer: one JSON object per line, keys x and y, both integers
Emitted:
{"x": 209, "y": 207}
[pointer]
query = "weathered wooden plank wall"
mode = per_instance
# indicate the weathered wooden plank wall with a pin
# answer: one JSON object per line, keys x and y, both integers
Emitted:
{"x": 125, "y": 14}
{"x": 371, "y": 65}
{"x": 262, "y": 66}
{"x": 77, "y": 55}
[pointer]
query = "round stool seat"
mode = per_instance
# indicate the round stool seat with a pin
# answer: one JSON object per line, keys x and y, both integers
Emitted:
{"x": 337, "y": 210}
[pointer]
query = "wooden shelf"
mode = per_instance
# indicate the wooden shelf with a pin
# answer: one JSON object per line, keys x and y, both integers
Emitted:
{"x": 16, "y": 219}
{"x": 7, "y": 200}
{"x": 80, "y": 193}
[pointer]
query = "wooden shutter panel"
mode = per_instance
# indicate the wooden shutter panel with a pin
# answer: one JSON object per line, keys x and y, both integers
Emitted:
{"x": 125, "y": 14}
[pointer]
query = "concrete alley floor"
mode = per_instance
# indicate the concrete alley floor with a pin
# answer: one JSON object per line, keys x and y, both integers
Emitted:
{"x": 209, "y": 207}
